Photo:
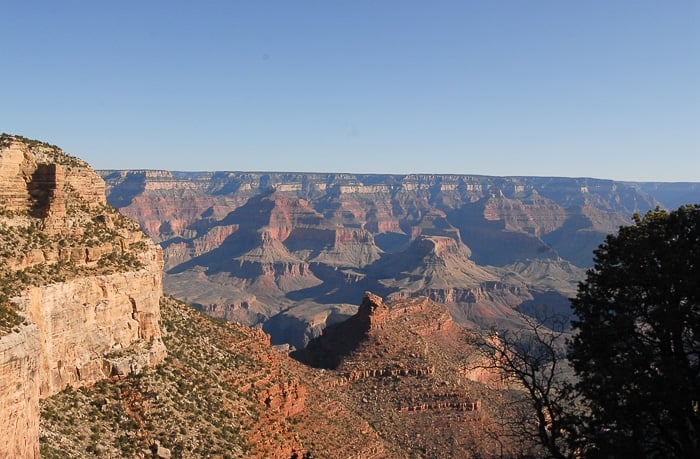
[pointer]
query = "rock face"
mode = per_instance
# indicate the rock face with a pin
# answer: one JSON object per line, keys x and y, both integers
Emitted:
{"x": 80, "y": 286}
{"x": 19, "y": 393}
{"x": 39, "y": 178}
{"x": 84, "y": 320}
{"x": 274, "y": 249}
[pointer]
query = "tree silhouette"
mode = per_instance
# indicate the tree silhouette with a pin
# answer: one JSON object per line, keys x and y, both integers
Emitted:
{"x": 636, "y": 344}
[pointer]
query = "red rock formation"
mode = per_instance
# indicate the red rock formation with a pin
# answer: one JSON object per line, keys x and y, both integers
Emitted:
{"x": 285, "y": 397}
{"x": 372, "y": 311}
{"x": 403, "y": 365}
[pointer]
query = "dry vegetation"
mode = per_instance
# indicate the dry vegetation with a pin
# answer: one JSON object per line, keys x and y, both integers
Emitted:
{"x": 49, "y": 152}
{"x": 196, "y": 404}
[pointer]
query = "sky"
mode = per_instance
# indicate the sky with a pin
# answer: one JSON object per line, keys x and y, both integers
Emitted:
{"x": 595, "y": 88}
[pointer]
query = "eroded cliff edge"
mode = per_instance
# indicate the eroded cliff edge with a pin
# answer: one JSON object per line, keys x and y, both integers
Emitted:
{"x": 79, "y": 286}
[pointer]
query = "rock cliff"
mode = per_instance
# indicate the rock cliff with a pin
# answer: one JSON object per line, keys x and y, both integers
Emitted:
{"x": 80, "y": 286}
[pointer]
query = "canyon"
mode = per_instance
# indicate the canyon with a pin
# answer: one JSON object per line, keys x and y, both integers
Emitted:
{"x": 291, "y": 252}
{"x": 96, "y": 362}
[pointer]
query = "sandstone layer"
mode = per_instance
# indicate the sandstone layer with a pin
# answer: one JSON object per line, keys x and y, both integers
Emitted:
{"x": 80, "y": 286}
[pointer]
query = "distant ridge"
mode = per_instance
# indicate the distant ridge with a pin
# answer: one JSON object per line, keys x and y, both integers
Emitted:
{"x": 291, "y": 251}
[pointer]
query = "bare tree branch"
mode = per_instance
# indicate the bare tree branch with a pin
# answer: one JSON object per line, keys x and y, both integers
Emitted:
{"x": 532, "y": 362}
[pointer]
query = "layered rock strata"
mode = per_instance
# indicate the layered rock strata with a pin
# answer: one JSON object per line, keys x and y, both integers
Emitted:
{"x": 87, "y": 322}
{"x": 80, "y": 286}
{"x": 287, "y": 244}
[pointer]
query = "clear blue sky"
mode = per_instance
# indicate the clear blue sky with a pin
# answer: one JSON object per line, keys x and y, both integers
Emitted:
{"x": 607, "y": 88}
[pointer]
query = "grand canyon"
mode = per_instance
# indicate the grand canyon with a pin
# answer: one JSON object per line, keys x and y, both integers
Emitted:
{"x": 304, "y": 315}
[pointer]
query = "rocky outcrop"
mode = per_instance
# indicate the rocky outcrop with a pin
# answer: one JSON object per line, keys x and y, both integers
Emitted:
{"x": 286, "y": 397}
{"x": 350, "y": 376}
{"x": 372, "y": 311}
{"x": 39, "y": 178}
{"x": 441, "y": 401}
{"x": 402, "y": 364}
{"x": 418, "y": 317}
{"x": 80, "y": 286}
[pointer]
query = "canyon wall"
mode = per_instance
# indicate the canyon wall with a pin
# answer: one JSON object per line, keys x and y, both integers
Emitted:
{"x": 81, "y": 286}
{"x": 276, "y": 249}
{"x": 88, "y": 325}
